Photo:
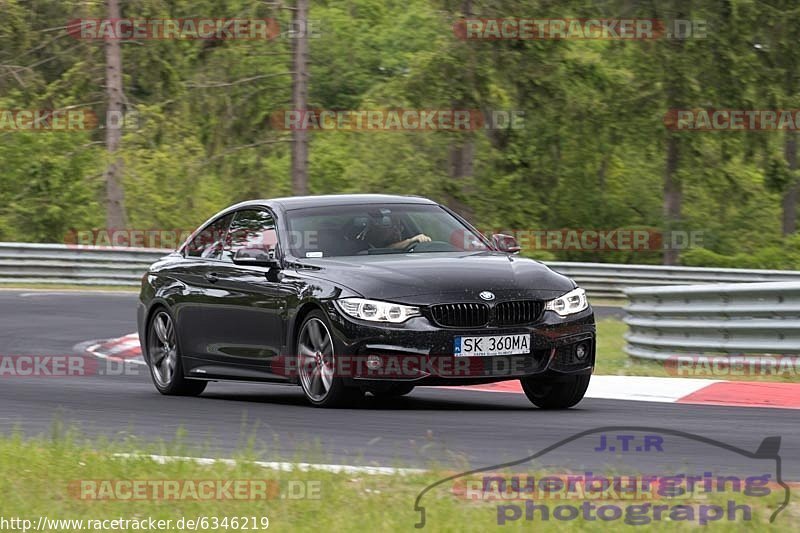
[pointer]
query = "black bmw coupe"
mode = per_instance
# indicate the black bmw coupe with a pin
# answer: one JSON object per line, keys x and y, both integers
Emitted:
{"x": 353, "y": 294}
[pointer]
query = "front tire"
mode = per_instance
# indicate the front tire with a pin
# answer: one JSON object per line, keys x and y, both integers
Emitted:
{"x": 164, "y": 358}
{"x": 316, "y": 363}
{"x": 556, "y": 393}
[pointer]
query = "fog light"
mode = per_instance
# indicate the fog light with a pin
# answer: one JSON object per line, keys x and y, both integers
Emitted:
{"x": 374, "y": 362}
{"x": 581, "y": 351}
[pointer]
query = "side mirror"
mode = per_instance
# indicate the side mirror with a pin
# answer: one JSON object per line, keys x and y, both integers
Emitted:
{"x": 255, "y": 257}
{"x": 506, "y": 243}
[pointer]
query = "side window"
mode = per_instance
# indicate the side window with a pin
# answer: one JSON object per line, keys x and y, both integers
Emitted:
{"x": 209, "y": 242}
{"x": 253, "y": 229}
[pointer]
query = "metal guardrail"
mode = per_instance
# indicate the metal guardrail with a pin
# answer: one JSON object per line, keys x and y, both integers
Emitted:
{"x": 609, "y": 280}
{"x": 742, "y": 319}
{"x": 72, "y": 265}
{"x": 64, "y": 264}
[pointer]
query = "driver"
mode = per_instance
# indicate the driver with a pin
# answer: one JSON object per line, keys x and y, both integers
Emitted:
{"x": 391, "y": 236}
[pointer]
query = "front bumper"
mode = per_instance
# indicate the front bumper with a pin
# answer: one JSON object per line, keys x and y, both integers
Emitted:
{"x": 421, "y": 352}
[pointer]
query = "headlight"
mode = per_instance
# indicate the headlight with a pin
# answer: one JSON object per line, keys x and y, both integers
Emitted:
{"x": 569, "y": 304}
{"x": 376, "y": 311}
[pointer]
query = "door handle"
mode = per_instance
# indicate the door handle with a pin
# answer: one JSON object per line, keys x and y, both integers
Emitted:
{"x": 213, "y": 277}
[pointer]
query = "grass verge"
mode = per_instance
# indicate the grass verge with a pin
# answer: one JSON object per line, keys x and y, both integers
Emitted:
{"x": 48, "y": 478}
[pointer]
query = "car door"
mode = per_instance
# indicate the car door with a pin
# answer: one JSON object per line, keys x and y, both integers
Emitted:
{"x": 198, "y": 292}
{"x": 248, "y": 315}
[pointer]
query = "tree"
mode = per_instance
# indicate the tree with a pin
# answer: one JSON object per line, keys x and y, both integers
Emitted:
{"x": 115, "y": 205}
{"x": 300, "y": 98}
{"x": 592, "y": 152}
{"x": 776, "y": 43}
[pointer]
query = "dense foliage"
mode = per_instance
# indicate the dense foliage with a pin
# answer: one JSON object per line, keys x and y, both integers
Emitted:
{"x": 593, "y": 153}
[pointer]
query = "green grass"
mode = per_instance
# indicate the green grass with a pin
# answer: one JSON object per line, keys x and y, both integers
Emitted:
{"x": 38, "y": 475}
{"x": 612, "y": 359}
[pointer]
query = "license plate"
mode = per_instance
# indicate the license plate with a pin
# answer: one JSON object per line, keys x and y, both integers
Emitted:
{"x": 495, "y": 345}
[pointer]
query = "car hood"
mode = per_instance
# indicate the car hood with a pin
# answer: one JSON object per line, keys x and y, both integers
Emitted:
{"x": 427, "y": 278}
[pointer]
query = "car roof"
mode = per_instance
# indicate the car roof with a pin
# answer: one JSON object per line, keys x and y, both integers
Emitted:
{"x": 297, "y": 202}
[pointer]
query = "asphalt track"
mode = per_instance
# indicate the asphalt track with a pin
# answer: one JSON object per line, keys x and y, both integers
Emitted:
{"x": 445, "y": 426}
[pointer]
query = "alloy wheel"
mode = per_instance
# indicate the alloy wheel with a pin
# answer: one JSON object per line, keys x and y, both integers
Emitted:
{"x": 163, "y": 349}
{"x": 316, "y": 359}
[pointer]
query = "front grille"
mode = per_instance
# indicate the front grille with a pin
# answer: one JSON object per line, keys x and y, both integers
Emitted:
{"x": 465, "y": 315}
{"x": 517, "y": 313}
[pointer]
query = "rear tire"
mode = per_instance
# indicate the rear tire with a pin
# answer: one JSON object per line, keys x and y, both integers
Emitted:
{"x": 556, "y": 393}
{"x": 163, "y": 356}
{"x": 316, "y": 363}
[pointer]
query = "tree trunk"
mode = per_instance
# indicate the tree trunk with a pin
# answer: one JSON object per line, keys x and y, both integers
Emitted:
{"x": 300, "y": 99}
{"x": 460, "y": 159}
{"x": 462, "y": 150}
{"x": 115, "y": 204}
{"x": 790, "y": 196}
{"x": 673, "y": 197}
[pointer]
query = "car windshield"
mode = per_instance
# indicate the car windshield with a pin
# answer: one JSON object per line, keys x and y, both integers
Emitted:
{"x": 377, "y": 229}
